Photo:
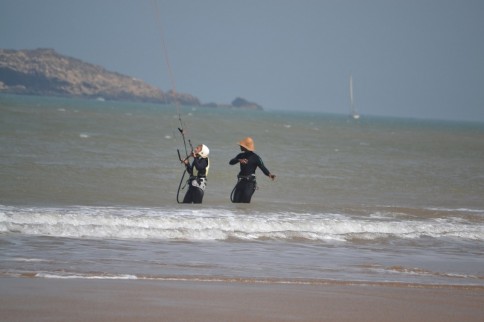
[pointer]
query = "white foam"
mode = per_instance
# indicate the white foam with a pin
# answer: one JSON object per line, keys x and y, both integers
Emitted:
{"x": 223, "y": 224}
{"x": 86, "y": 276}
{"x": 20, "y": 259}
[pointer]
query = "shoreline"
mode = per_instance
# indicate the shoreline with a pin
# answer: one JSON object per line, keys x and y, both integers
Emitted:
{"x": 34, "y": 299}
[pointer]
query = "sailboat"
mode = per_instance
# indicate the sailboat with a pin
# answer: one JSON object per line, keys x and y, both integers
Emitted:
{"x": 354, "y": 112}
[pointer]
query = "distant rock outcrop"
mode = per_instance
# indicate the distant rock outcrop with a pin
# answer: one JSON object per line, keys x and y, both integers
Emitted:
{"x": 240, "y": 102}
{"x": 236, "y": 103}
{"x": 46, "y": 72}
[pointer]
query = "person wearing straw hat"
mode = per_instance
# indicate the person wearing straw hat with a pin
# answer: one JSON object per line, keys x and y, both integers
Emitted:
{"x": 198, "y": 172}
{"x": 249, "y": 161}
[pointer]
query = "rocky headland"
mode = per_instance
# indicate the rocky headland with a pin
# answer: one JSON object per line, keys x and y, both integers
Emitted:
{"x": 47, "y": 73}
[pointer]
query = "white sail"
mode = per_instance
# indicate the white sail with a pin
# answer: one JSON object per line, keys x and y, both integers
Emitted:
{"x": 354, "y": 113}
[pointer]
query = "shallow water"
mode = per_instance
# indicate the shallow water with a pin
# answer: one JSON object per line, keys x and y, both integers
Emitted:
{"x": 88, "y": 190}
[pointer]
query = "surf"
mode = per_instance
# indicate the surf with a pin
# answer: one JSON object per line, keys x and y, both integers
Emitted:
{"x": 225, "y": 224}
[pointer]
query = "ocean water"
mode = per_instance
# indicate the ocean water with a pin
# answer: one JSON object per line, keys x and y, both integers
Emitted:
{"x": 88, "y": 190}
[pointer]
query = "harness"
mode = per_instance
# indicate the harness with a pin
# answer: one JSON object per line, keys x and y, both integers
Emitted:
{"x": 198, "y": 181}
{"x": 240, "y": 179}
{"x": 250, "y": 177}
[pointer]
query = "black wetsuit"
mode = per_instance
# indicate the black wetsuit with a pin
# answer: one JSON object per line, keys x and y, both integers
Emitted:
{"x": 197, "y": 181}
{"x": 247, "y": 184}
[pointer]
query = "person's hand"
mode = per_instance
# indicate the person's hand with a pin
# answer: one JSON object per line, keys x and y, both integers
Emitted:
{"x": 243, "y": 161}
{"x": 272, "y": 176}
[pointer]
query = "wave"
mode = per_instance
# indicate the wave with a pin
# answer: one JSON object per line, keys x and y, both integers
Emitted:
{"x": 239, "y": 280}
{"x": 204, "y": 224}
{"x": 477, "y": 211}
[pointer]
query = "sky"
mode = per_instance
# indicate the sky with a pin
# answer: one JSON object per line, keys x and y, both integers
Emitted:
{"x": 408, "y": 58}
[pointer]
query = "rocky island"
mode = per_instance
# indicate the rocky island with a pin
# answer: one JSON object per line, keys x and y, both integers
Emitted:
{"x": 47, "y": 73}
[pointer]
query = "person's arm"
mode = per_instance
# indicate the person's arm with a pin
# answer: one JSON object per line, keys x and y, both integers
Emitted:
{"x": 235, "y": 160}
{"x": 266, "y": 171}
{"x": 189, "y": 167}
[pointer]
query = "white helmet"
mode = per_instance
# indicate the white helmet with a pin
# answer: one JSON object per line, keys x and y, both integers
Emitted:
{"x": 204, "y": 151}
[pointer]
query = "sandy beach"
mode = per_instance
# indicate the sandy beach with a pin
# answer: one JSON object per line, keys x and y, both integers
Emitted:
{"x": 32, "y": 299}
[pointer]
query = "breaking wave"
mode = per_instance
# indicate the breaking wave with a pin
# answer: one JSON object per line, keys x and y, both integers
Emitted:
{"x": 206, "y": 224}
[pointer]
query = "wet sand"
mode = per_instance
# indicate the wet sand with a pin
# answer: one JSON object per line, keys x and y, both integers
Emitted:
{"x": 34, "y": 299}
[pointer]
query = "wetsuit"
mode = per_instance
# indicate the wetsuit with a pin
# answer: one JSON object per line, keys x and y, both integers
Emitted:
{"x": 247, "y": 184}
{"x": 198, "y": 180}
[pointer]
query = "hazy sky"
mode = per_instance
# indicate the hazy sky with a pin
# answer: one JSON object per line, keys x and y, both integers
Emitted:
{"x": 413, "y": 58}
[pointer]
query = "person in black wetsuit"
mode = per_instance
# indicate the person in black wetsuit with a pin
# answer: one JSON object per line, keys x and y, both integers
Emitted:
{"x": 198, "y": 172}
{"x": 249, "y": 161}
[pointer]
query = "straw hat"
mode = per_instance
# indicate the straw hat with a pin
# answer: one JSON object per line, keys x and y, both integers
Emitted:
{"x": 247, "y": 143}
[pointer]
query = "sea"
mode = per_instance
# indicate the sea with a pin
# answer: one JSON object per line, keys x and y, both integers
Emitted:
{"x": 88, "y": 190}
